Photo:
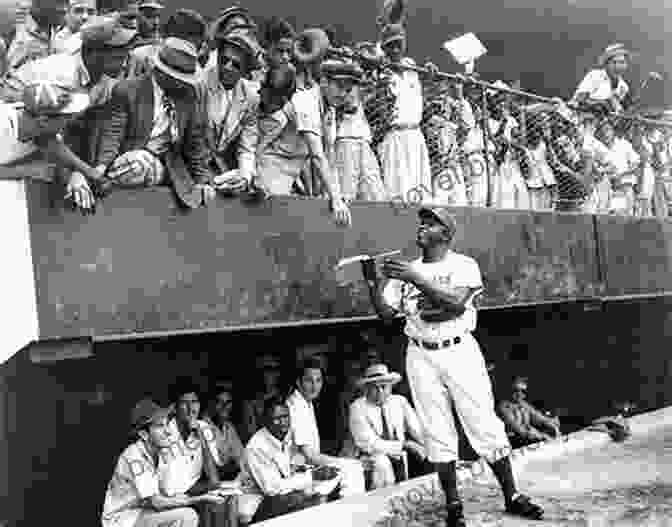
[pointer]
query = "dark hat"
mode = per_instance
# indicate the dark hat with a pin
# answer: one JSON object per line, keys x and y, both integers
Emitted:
{"x": 186, "y": 24}
{"x": 337, "y": 69}
{"x": 441, "y": 215}
{"x": 106, "y": 31}
{"x": 178, "y": 58}
{"x": 392, "y": 32}
{"x": 145, "y": 412}
{"x": 221, "y": 26}
{"x": 242, "y": 40}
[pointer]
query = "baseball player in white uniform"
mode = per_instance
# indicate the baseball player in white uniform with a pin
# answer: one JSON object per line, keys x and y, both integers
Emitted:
{"x": 444, "y": 364}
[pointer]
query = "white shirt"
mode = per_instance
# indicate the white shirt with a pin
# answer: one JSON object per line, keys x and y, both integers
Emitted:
{"x": 622, "y": 156}
{"x": 597, "y": 85}
{"x": 455, "y": 270}
{"x": 304, "y": 423}
{"x": 182, "y": 465}
{"x": 135, "y": 478}
{"x": 354, "y": 126}
{"x": 12, "y": 149}
{"x": 366, "y": 425}
{"x": 267, "y": 466}
{"x": 406, "y": 87}
{"x": 160, "y": 138}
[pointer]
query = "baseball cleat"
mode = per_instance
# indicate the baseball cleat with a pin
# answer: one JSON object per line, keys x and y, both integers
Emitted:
{"x": 522, "y": 506}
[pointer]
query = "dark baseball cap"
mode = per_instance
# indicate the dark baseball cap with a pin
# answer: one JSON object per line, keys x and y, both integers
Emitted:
{"x": 146, "y": 412}
{"x": 441, "y": 215}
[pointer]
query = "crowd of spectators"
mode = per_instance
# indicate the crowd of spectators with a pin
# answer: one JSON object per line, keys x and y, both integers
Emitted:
{"x": 239, "y": 109}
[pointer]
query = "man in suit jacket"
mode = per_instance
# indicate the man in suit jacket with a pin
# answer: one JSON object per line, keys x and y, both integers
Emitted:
{"x": 232, "y": 104}
{"x": 155, "y": 131}
{"x": 385, "y": 428}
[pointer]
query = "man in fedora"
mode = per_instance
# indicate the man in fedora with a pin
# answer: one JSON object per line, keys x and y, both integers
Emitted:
{"x": 155, "y": 131}
{"x": 232, "y": 102}
{"x": 444, "y": 363}
{"x": 352, "y": 157}
{"x": 133, "y": 497}
{"x": 385, "y": 428}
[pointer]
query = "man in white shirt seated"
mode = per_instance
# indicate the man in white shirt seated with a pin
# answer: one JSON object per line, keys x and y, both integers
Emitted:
{"x": 133, "y": 497}
{"x": 272, "y": 482}
{"x": 385, "y": 428}
{"x": 33, "y": 128}
{"x": 194, "y": 464}
{"x": 309, "y": 382}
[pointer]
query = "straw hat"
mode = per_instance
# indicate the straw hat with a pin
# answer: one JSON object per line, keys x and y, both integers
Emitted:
{"x": 378, "y": 374}
{"x": 178, "y": 59}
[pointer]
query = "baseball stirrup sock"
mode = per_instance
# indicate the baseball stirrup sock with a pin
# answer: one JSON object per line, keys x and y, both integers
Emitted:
{"x": 504, "y": 474}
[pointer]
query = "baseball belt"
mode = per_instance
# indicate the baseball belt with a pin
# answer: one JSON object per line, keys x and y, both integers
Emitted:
{"x": 433, "y": 346}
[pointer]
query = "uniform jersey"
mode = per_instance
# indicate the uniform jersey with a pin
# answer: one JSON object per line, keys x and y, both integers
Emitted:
{"x": 453, "y": 271}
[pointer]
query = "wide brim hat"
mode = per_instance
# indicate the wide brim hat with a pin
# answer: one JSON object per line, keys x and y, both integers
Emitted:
{"x": 178, "y": 59}
{"x": 611, "y": 51}
{"x": 151, "y": 4}
{"x": 378, "y": 374}
{"x": 107, "y": 31}
{"x": 43, "y": 98}
{"x": 392, "y": 33}
{"x": 147, "y": 411}
{"x": 218, "y": 27}
{"x": 337, "y": 69}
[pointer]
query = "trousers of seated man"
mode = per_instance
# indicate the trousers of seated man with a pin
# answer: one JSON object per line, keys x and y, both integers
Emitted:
{"x": 388, "y": 470}
{"x": 181, "y": 517}
{"x": 351, "y": 476}
{"x": 273, "y": 506}
{"x": 212, "y": 514}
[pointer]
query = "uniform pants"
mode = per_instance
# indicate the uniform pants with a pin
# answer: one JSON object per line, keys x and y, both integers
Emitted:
{"x": 455, "y": 376}
{"x": 182, "y": 517}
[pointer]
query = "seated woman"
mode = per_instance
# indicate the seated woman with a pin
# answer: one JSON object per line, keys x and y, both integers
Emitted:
{"x": 229, "y": 445}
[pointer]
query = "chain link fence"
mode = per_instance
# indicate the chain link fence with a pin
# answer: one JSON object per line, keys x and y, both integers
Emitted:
{"x": 493, "y": 146}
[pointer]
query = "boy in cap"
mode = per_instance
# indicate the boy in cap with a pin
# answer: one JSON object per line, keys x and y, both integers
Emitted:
{"x": 444, "y": 364}
{"x": 154, "y": 133}
{"x": 385, "y": 428}
{"x": 149, "y": 21}
{"x": 232, "y": 104}
{"x": 134, "y": 497}
{"x": 352, "y": 158}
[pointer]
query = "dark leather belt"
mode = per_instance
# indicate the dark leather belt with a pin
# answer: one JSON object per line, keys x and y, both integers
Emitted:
{"x": 433, "y": 346}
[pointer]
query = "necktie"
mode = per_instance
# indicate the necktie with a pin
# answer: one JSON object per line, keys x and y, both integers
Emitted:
{"x": 387, "y": 433}
{"x": 169, "y": 108}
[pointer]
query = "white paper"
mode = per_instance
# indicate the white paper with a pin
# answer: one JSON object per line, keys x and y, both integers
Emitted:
{"x": 466, "y": 48}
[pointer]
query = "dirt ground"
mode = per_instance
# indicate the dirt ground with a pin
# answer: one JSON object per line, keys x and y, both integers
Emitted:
{"x": 620, "y": 484}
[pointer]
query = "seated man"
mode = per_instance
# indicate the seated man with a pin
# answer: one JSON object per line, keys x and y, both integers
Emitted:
{"x": 232, "y": 103}
{"x": 155, "y": 130}
{"x": 385, "y": 429}
{"x": 229, "y": 445}
{"x": 133, "y": 497}
{"x": 272, "y": 484}
{"x": 524, "y": 423}
{"x": 290, "y": 128}
{"x": 193, "y": 468}
{"x": 34, "y": 127}
{"x": 309, "y": 382}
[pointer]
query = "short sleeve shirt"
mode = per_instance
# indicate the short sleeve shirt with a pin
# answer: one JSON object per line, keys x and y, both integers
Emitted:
{"x": 597, "y": 85}
{"x": 304, "y": 422}
{"x": 135, "y": 478}
{"x": 453, "y": 271}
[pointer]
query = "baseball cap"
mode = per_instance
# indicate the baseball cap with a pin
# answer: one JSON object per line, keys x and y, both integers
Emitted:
{"x": 147, "y": 411}
{"x": 441, "y": 215}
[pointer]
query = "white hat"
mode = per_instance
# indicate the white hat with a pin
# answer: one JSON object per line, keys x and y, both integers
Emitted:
{"x": 378, "y": 374}
{"x": 178, "y": 58}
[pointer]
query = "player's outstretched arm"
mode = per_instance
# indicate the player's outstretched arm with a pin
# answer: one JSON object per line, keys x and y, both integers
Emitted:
{"x": 376, "y": 288}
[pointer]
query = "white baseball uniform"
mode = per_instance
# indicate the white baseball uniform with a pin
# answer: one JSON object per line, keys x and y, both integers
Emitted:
{"x": 454, "y": 372}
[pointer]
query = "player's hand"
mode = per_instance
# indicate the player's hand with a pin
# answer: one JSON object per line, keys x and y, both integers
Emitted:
{"x": 400, "y": 270}
{"x": 341, "y": 212}
{"x": 369, "y": 270}
{"x": 79, "y": 191}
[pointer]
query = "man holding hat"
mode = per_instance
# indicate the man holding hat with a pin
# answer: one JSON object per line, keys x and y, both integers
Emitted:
{"x": 352, "y": 158}
{"x": 403, "y": 153}
{"x": 604, "y": 88}
{"x": 79, "y": 12}
{"x": 232, "y": 104}
{"x": 444, "y": 364}
{"x": 154, "y": 133}
{"x": 380, "y": 423}
{"x": 133, "y": 497}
